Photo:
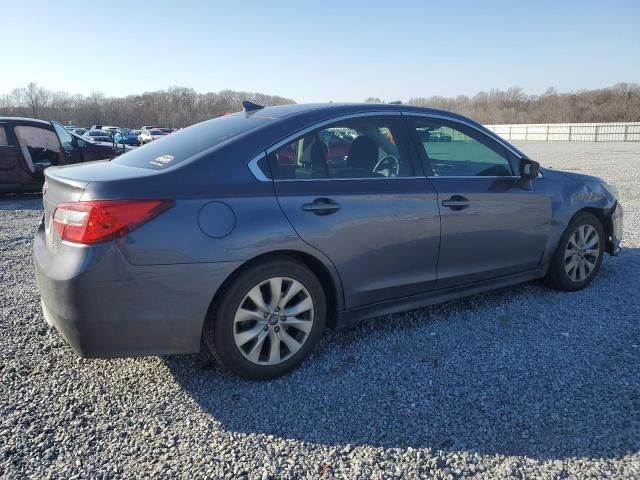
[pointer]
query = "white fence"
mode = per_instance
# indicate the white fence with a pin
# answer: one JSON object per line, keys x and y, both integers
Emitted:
{"x": 570, "y": 132}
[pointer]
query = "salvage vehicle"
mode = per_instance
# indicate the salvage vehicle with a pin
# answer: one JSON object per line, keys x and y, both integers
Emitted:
{"x": 28, "y": 146}
{"x": 239, "y": 232}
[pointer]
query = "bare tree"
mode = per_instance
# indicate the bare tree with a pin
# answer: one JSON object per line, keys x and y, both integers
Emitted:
{"x": 36, "y": 97}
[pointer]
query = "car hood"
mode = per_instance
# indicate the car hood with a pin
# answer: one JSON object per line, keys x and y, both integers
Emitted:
{"x": 582, "y": 177}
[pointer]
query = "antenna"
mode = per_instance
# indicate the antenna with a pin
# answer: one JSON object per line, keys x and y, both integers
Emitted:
{"x": 248, "y": 106}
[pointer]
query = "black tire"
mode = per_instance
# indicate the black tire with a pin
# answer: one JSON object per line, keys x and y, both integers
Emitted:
{"x": 219, "y": 327}
{"x": 557, "y": 276}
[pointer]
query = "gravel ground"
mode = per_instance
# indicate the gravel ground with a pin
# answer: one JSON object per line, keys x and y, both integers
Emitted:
{"x": 518, "y": 383}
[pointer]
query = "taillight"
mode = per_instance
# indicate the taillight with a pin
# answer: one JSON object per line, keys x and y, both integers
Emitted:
{"x": 101, "y": 220}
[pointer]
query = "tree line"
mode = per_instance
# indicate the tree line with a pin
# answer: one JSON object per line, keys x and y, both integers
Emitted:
{"x": 181, "y": 106}
{"x": 174, "y": 107}
{"x": 619, "y": 103}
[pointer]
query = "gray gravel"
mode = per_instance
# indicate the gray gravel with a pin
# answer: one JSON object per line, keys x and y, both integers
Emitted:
{"x": 519, "y": 383}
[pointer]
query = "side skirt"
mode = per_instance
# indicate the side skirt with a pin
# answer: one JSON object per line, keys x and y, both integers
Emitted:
{"x": 351, "y": 317}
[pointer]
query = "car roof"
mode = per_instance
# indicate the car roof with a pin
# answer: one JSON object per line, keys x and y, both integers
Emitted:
{"x": 25, "y": 120}
{"x": 281, "y": 111}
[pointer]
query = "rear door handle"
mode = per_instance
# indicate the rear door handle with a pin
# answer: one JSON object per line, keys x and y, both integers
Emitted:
{"x": 321, "y": 206}
{"x": 457, "y": 202}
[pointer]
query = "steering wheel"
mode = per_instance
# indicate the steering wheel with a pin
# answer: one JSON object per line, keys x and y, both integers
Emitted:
{"x": 389, "y": 166}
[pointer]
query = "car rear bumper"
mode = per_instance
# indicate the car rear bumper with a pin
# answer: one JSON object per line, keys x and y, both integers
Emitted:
{"x": 105, "y": 307}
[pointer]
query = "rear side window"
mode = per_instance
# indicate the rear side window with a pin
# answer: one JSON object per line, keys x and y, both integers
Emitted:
{"x": 3, "y": 137}
{"x": 184, "y": 144}
{"x": 455, "y": 150}
{"x": 363, "y": 147}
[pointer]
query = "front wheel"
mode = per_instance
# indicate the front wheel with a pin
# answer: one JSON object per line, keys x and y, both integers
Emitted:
{"x": 268, "y": 320}
{"x": 578, "y": 256}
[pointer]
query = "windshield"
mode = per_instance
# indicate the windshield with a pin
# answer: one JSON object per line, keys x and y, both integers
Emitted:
{"x": 156, "y": 132}
{"x": 186, "y": 143}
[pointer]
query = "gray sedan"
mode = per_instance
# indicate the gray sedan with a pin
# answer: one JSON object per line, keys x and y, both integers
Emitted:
{"x": 256, "y": 231}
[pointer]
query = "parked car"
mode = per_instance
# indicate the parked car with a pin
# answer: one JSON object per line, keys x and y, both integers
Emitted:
{"x": 167, "y": 131}
{"x": 96, "y": 127}
{"x": 70, "y": 127}
{"x": 29, "y": 146}
{"x": 80, "y": 131}
{"x": 126, "y": 136}
{"x": 149, "y": 135}
{"x": 99, "y": 136}
{"x": 109, "y": 128}
{"x": 148, "y": 127}
{"x": 213, "y": 234}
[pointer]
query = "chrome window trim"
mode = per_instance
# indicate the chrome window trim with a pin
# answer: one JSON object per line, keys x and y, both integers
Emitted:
{"x": 481, "y": 176}
{"x": 456, "y": 120}
{"x": 341, "y": 179}
{"x": 259, "y": 174}
{"x": 306, "y": 130}
{"x": 256, "y": 170}
{"x": 475, "y": 176}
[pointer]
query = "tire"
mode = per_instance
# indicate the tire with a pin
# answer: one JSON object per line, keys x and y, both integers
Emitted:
{"x": 226, "y": 330}
{"x": 560, "y": 274}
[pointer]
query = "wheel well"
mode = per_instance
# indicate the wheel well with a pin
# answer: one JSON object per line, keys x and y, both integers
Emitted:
{"x": 312, "y": 263}
{"x": 605, "y": 220}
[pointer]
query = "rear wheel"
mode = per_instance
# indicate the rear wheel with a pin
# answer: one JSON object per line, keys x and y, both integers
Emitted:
{"x": 268, "y": 320}
{"x": 579, "y": 254}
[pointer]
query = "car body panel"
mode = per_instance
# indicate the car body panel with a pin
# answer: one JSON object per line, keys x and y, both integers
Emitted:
{"x": 79, "y": 298}
{"x": 502, "y": 231}
{"x": 383, "y": 240}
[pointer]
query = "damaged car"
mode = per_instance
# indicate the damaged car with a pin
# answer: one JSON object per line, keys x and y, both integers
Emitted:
{"x": 29, "y": 146}
{"x": 243, "y": 233}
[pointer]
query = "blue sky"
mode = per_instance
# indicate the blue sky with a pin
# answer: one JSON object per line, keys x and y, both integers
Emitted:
{"x": 321, "y": 50}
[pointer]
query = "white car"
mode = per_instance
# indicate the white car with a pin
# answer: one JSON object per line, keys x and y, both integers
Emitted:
{"x": 149, "y": 135}
{"x": 110, "y": 128}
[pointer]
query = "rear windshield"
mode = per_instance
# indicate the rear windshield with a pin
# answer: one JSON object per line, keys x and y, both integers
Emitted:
{"x": 179, "y": 146}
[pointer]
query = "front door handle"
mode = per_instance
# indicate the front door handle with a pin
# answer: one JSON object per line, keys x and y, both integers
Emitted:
{"x": 457, "y": 202}
{"x": 321, "y": 206}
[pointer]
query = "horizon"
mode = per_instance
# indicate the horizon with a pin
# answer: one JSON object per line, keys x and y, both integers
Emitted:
{"x": 353, "y": 52}
{"x": 366, "y": 99}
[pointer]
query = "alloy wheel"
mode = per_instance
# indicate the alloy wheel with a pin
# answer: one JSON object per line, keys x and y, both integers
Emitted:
{"x": 273, "y": 321}
{"x": 582, "y": 252}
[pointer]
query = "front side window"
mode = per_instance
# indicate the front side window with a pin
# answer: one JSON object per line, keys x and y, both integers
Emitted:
{"x": 66, "y": 140}
{"x": 363, "y": 147}
{"x": 455, "y": 150}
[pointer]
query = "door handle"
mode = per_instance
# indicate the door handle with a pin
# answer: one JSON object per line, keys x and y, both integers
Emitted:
{"x": 457, "y": 202}
{"x": 321, "y": 206}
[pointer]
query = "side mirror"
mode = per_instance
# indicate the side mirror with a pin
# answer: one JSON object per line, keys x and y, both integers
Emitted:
{"x": 529, "y": 169}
